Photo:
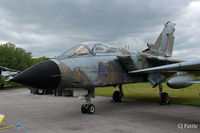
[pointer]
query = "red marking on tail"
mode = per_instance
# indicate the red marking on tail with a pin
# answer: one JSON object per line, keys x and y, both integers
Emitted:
{"x": 134, "y": 65}
{"x": 165, "y": 47}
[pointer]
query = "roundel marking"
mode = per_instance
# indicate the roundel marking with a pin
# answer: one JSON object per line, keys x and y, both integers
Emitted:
{"x": 102, "y": 71}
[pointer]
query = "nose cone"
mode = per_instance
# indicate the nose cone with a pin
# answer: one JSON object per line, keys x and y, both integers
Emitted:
{"x": 44, "y": 75}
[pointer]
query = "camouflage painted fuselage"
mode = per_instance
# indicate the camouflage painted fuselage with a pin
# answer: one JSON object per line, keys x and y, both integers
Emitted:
{"x": 92, "y": 71}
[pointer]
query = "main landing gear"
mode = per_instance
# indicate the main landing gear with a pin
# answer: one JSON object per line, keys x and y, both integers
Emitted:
{"x": 117, "y": 95}
{"x": 88, "y": 108}
{"x": 164, "y": 97}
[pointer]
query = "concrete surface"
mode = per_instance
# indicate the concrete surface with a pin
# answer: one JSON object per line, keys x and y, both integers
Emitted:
{"x": 49, "y": 114}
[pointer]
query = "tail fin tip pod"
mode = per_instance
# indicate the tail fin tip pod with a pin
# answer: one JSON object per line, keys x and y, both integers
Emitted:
{"x": 163, "y": 46}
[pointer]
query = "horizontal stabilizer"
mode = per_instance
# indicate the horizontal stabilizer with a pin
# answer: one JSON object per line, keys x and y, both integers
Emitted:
{"x": 160, "y": 60}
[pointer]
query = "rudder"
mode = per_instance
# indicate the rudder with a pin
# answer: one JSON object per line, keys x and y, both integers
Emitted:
{"x": 164, "y": 43}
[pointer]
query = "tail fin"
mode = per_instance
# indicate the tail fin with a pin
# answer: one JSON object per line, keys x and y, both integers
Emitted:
{"x": 164, "y": 44}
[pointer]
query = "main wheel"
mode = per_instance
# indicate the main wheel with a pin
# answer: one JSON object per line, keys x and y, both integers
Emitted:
{"x": 164, "y": 99}
{"x": 84, "y": 108}
{"x": 40, "y": 91}
{"x": 116, "y": 96}
{"x": 91, "y": 109}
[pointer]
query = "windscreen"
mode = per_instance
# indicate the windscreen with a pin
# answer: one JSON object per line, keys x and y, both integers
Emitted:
{"x": 77, "y": 51}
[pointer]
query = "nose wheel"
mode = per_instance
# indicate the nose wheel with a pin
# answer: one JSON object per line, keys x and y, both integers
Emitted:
{"x": 88, "y": 109}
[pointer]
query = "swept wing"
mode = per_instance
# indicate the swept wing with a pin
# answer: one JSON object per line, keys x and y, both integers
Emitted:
{"x": 189, "y": 66}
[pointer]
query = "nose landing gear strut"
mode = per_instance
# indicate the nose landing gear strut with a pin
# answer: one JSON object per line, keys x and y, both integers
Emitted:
{"x": 88, "y": 108}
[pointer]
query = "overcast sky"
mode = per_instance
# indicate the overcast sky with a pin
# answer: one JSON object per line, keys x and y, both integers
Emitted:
{"x": 50, "y": 27}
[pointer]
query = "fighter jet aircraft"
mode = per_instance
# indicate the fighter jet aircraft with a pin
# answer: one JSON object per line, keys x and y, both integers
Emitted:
{"x": 97, "y": 65}
{"x": 8, "y": 74}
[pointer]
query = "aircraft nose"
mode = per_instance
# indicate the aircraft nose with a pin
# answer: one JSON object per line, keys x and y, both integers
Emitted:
{"x": 44, "y": 75}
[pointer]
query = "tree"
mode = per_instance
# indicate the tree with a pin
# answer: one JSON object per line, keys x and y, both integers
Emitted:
{"x": 14, "y": 57}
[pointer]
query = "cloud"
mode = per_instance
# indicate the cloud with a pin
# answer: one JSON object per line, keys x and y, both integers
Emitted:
{"x": 188, "y": 32}
{"x": 48, "y": 28}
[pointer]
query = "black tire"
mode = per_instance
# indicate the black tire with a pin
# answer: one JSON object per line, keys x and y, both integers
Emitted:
{"x": 2, "y": 86}
{"x": 91, "y": 109}
{"x": 84, "y": 108}
{"x": 164, "y": 99}
{"x": 116, "y": 96}
{"x": 40, "y": 91}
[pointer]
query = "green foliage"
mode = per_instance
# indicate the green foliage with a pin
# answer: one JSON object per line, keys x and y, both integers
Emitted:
{"x": 14, "y": 57}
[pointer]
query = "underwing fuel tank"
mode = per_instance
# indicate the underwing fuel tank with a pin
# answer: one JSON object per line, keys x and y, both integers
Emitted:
{"x": 180, "y": 82}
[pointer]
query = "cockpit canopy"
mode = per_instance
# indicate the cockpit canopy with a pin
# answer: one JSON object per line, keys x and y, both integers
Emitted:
{"x": 77, "y": 51}
{"x": 93, "y": 49}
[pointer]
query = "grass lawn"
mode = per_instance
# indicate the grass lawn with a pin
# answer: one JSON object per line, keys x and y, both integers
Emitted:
{"x": 13, "y": 85}
{"x": 144, "y": 91}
